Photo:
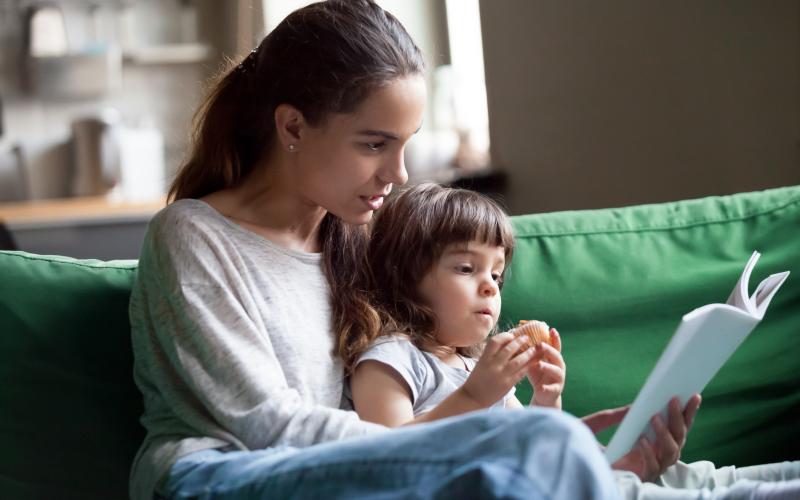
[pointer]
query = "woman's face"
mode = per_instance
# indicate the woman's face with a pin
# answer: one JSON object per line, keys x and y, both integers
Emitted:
{"x": 350, "y": 162}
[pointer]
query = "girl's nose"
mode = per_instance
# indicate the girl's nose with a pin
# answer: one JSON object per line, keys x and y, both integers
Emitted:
{"x": 489, "y": 288}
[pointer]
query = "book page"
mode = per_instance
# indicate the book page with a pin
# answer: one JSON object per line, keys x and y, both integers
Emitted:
{"x": 740, "y": 297}
{"x": 766, "y": 290}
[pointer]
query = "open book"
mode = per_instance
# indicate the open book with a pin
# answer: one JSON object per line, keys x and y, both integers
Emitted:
{"x": 705, "y": 339}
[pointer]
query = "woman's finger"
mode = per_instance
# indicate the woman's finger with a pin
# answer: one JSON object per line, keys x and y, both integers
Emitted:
{"x": 650, "y": 465}
{"x": 668, "y": 448}
{"x": 677, "y": 424}
{"x": 691, "y": 411}
{"x": 603, "y": 419}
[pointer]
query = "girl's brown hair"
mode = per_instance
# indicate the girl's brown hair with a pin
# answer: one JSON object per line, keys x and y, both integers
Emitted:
{"x": 409, "y": 235}
{"x": 324, "y": 58}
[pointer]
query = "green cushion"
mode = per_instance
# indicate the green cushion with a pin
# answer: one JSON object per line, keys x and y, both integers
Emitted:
{"x": 616, "y": 282}
{"x": 69, "y": 420}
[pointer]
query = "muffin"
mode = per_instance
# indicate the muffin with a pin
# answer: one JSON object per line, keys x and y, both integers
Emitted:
{"x": 537, "y": 331}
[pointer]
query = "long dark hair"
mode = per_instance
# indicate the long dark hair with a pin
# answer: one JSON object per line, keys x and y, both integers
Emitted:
{"x": 324, "y": 58}
{"x": 409, "y": 235}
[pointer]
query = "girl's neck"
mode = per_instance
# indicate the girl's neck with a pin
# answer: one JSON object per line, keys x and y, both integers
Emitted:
{"x": 447, "y": 354}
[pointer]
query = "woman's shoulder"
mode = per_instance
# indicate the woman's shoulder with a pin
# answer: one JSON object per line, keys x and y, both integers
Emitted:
{"x": 186, "y": 235}
{"x": 187, "y": 212}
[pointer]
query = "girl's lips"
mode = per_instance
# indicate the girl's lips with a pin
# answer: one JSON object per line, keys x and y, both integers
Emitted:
{"x": 486, "y": 313}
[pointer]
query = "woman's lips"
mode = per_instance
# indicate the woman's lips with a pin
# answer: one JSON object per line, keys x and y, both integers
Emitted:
{"x": 373, "y": 202}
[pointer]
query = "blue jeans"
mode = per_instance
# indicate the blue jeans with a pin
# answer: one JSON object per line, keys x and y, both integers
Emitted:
{"x": 531, "y": 453}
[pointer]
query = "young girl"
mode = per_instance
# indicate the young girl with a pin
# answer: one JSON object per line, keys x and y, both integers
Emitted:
{"x": 438, "y": 257}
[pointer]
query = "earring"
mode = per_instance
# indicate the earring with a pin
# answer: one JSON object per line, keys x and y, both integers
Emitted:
{"x": 292, "y": 148}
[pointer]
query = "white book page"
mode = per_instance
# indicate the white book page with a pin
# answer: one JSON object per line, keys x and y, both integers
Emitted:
{"x": 739, "y": 296}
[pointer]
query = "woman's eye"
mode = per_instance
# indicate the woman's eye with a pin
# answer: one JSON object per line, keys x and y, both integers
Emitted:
{"x": 374, "y": 146}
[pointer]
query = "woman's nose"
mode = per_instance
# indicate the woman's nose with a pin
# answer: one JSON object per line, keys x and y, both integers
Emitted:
{"x": 394, "y": 171}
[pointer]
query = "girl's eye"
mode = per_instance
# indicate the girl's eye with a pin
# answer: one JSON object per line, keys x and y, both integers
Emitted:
{"x": 497, "y": 277}
{"x": 374, "y": 146}
{"x": 464, "y": 268}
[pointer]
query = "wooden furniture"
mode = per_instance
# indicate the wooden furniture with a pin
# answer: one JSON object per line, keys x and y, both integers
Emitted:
{"x": 92, "y": 227}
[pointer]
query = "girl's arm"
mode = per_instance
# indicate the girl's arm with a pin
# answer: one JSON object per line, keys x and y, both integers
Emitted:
{"x": 381, "y": 395}
{"x": 514, "y": 403}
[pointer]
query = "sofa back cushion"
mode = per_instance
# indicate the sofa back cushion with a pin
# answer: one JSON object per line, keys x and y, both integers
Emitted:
{"x": 616, "y": 282}
{"x": 69, "y": 421}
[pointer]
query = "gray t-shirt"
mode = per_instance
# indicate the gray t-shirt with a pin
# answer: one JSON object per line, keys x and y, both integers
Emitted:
{"x": 233, "y": 344}
{"x": 430, "y": 379}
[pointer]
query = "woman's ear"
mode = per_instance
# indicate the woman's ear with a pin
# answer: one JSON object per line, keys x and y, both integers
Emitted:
{"x": 289, "y": 125}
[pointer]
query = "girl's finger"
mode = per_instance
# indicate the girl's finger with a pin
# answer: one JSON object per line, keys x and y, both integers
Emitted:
{"x": 510, "y": 349}
{"x": 522, "y": 358}
{"x": 553, "y": 388}
{"x": 555, "y": 338}
{"x": 551, "y": 354}
{"x": 553, "y": 371}
{"x": 497, "y": 342}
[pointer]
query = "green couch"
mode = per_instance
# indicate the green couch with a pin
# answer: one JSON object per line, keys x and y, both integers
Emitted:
{"x": 614, "y": 282}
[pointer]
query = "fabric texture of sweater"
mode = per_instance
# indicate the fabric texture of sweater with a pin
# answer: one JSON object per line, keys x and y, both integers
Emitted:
{"x": 233, "y": 344}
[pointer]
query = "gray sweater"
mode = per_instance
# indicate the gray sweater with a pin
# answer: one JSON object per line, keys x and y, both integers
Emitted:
{"x": 232, "y": 342}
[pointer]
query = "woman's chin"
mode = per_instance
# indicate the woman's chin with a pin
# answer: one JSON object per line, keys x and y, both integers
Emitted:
{"x": 356, "y": 219}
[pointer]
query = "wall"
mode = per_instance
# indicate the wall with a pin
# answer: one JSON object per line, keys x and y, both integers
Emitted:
{"x": 163, "y": 95}
{"x": 597, "y": 104}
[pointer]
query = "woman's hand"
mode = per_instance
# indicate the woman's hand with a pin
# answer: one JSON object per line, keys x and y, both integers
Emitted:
{"x": 503, "y": 363}
{"x": 647, "y": 459}
{"x": 548, "y": 373}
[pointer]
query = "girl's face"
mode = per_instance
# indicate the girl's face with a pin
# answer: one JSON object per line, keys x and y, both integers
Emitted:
{"x": 463, "y": 290}
{"x": 349, "y": 163}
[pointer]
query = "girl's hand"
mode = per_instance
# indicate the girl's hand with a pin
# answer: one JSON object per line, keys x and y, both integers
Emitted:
{"x": 503, "y": 363}
{"x": 649, "y": 460}
{"x": 548, "y": 373}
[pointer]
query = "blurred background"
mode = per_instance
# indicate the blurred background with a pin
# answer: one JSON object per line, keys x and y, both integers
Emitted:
{"x": 547, "y": 105}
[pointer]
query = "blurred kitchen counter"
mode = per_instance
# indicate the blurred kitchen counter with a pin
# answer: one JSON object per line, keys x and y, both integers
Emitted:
{"x": 72, "y": 210}
{"x": 90, "y": 227}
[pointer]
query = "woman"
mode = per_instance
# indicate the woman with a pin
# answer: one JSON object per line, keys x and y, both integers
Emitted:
{"x": 250, "y": 276}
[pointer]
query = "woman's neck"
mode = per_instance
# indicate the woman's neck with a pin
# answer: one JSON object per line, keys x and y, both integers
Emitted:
{"x": 265, "y": 205}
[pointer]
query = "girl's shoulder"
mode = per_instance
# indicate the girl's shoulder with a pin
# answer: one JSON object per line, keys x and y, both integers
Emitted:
{"x": 392, "y": 348}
